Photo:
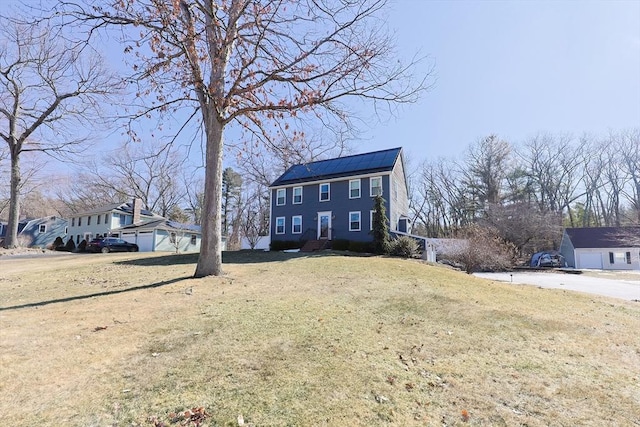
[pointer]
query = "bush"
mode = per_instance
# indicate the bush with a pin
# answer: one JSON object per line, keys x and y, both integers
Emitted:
{"x": 484, "y": 251}
{"x": 340, "y": 244}
{"x": 58, "y": 244}
{"x": 362, "y": 247}
{"x": 70, "y": 246}
{"x": 404, "y": 246}
{"x": 281, "y": 245}
{"x": 82, "y": 246}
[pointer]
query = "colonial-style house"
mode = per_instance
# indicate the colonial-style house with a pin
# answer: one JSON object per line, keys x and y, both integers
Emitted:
{"x": 105, "y": 220}
{"x": 602, "y": 248}
{"x": 333, "y": 199}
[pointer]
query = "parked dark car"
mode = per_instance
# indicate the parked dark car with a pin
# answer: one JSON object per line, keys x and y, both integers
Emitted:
{"x": 111, "y": 244}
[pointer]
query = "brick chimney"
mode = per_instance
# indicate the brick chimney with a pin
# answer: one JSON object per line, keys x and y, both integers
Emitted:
{"x": 137, "y": 207}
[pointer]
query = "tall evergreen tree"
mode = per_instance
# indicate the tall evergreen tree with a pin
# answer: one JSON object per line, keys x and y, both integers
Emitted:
{"x": 380, "y": 227}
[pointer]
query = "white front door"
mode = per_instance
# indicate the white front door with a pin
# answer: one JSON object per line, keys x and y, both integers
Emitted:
{"x": 324, "y": 225}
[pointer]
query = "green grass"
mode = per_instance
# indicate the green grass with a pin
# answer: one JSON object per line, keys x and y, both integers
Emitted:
{"x": 290, "y": 339}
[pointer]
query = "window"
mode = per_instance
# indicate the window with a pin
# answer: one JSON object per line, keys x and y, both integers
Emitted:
{"x": 281, "y": 196}
{"x": 73, "y": 222}
{"x": 619, "y": 257}
{"x": 354, "y": 221}
{"x": 193, "y": 239}
{"x": 354, "y": 189}
{"x": 371, "y": 213}
{"x": 89, "y": 220}
{"x": 78, "y": 239}
{"x": 375, "y": 186}
{"x": 325, "y": 192}
{"x": 280, "y": 225}
{"x": 297, "y": 195}
{"x": 42, "y": 228}
{"x": 66, "y": 230}
{"x": 106, "y": 218}
{"x": 79, "y": 221}
{"x": 98, "y": 218}
{"x": 296, "y": 224}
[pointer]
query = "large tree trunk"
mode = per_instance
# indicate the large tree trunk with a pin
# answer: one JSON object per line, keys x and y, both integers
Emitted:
{"x": 210, "y": 259}
{"x": 11, "y": 236}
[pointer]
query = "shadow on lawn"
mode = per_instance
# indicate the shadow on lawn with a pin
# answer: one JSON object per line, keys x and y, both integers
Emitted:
{"x": 97, "y": 294}
{"x": 229, "y": 257}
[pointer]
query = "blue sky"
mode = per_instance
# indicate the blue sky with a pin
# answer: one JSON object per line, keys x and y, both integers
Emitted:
{"x": 515, "y": 68}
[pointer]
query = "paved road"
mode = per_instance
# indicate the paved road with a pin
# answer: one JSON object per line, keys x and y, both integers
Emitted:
{"x": 616, "y": 288}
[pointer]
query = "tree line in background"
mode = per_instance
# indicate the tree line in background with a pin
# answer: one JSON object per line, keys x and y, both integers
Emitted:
{"x": 528, "y": 191}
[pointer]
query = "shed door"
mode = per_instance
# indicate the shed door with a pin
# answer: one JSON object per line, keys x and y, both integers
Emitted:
{"x": 589, "y": 260}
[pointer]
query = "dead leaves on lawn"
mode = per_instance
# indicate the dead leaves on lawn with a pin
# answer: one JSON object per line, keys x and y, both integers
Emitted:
{"x": 194, "y": 417}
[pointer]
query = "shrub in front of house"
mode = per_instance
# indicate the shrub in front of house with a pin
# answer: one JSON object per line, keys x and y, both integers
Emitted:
{"x": 404, "y": 246}
{"x": 282, "y": 245}
{"x": 70, "y": 246}
{"x": 57, "y": 245}
{"x": 340, "y": 244}
{"x": 82, "y": 246}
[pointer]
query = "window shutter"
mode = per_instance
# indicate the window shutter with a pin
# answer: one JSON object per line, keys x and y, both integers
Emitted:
{"x": 610, "y": 257}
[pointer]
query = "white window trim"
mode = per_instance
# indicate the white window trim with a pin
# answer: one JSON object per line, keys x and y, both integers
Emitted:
{"x": 284, "y": 225}
{"x": 328, "y": 192}
{"x": 359, "y": 221}
{"x": 293, "y": 197}
{"x": 371, "y": 186}
{"x": 278, "y": 196}
{"x": 359, "y": 181}
{"x": 293, "y": 220}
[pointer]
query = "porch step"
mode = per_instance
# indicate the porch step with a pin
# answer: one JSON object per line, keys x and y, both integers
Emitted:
{"x": 315, "y": 245}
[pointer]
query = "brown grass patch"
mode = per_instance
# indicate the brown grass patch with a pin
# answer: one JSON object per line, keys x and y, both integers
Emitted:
{"x": 285, "y": 339}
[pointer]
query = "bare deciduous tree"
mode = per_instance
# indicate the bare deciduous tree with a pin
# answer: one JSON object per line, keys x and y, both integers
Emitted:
{"x": 49, "y": 89}
{"x": 257, "y": 64}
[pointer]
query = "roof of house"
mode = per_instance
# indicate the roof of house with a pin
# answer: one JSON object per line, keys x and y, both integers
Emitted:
{"x": 126, "y": 207}
{"x": 359, "y": 164}
{"x": 163, "y": 224}
{"x": 604, "y": 237}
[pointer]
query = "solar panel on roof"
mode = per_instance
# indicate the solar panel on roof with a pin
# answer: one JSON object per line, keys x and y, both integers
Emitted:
{"x": 360, "y": 163}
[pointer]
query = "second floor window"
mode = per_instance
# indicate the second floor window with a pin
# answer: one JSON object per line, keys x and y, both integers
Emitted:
{"x": 106, "y": 218}
{"x": 73, "y": 222}
{"x": 281, "y": 197}
{"x": 89, "y": 220}
{"x": 375, "y": 186}
{"x": 325, "y": 192}
{"x": 98, "y": 219}
{"x": 79, "y": 221}
{"x": 297, "y": 195}
{"x": 354, "y": 189}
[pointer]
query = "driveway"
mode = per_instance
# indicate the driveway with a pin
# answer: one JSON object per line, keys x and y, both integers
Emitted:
{"x": 627, "y": 288}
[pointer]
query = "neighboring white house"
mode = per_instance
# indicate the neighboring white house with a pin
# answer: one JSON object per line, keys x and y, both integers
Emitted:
{"x": 103, "y": 221}
{"x": 602, "y": 248}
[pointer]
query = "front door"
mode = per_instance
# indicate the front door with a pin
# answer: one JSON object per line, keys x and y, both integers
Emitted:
{"x": 324, "y": 225}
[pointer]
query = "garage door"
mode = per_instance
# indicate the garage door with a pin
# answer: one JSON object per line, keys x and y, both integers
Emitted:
{"x": 589, "y": 260}
{"x": 144, "y": 240}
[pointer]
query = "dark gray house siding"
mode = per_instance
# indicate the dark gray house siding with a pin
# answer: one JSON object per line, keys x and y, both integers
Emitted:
{"x": 339, "y": 204}
{"x": 304, "y": 221}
